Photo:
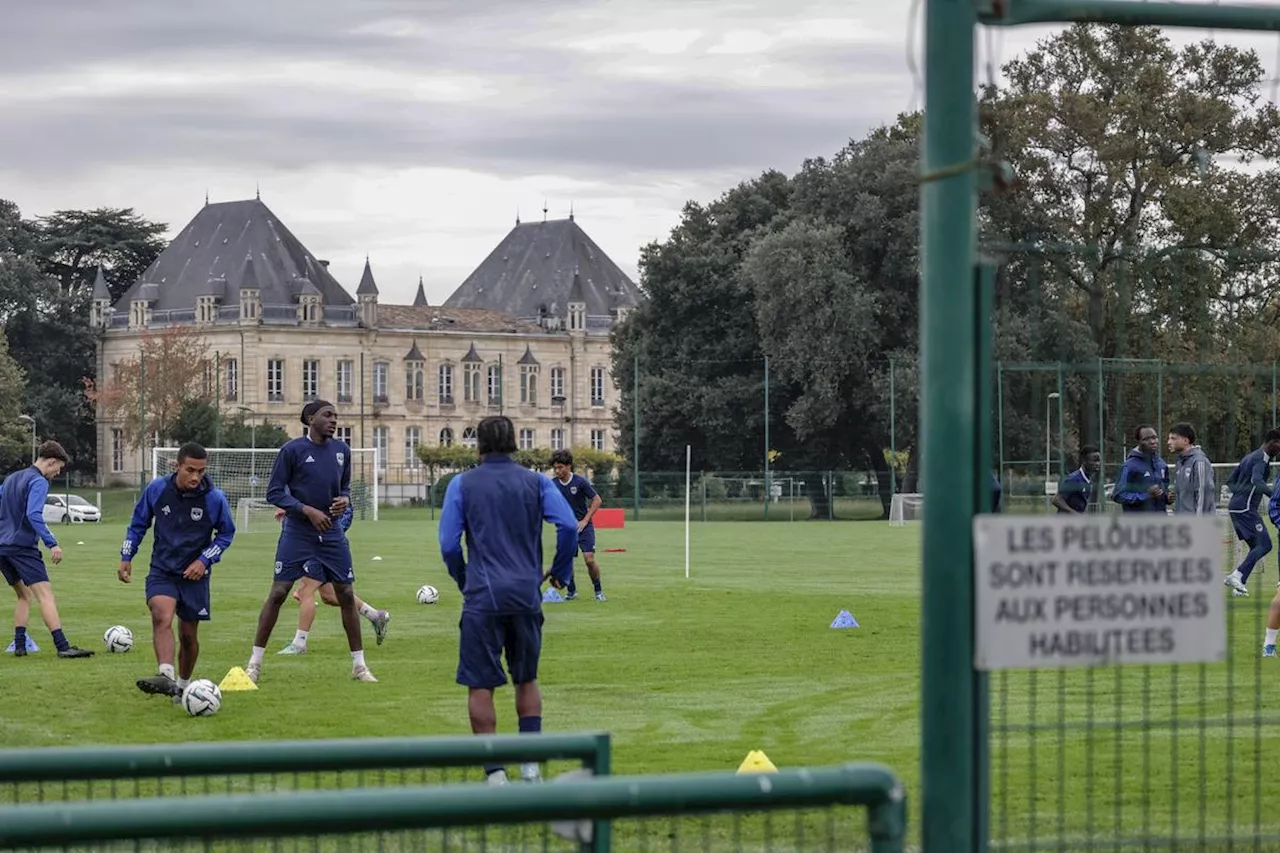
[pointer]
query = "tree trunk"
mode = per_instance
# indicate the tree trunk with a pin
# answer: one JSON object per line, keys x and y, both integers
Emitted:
{"x": 884, "y": 480}
{"x": 822, "y": 501}
{"x": 911, "y": 482}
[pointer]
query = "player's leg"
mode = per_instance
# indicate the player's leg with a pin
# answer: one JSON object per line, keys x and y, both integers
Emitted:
{"x": 21, "y": 610}
{"x": 162, "y": 601}
{"x": 306, "y": 595}
{"x": 587, "y": 544}
{"x": 480, "y": 671}
{"x": 267, "y": 617}
{"x": 379, "y": 619}
{"x": 194, "y": 607}
{"x": 351, "y": 625}
{"x": 33, "y": 574}
{"x": 1251, "y": 530}
{"x": 523, "y": 647}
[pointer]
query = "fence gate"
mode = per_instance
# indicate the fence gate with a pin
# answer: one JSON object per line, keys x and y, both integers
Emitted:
{"x": 1135, "y": 757}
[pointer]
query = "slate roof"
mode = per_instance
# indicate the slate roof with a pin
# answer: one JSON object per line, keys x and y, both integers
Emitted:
{"x": 100, "y": 289}
{"x": 210, "y": 255}
{"x": 420, "y": 298}
{"x": 435, "y": 318}
{"x": 531, "y": 272}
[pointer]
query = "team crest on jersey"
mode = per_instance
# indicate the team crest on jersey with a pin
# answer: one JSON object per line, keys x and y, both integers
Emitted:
{"x": 197, "y": 513}
{"x": 573, "y": 490}
{"x": 342, "y": 458}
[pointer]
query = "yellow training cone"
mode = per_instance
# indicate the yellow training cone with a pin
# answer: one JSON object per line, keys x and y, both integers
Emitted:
{"x": 756, "y": 762}
{"x": 237, "y": 679}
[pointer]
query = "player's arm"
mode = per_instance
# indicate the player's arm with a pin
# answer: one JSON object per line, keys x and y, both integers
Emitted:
{"x": 555, "y": 509}
{"x": 224, "y": 525}
{"x": 452, "y": 526}
{"x": 278, "y": 493}
{"x": 1124, "y": 492}
{"x": 1258, "y": 475}
{"x": 1204, "y": 471}
{"x": 144, "y": 512}
{"x": 36, "y": 496}
{"x": 596, "y": 501}
{"x": 348, "y": 516}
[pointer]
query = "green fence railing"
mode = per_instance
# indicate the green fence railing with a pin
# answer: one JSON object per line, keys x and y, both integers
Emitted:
{"x": 422, "y": 817}
{"x": 119, "y": 772}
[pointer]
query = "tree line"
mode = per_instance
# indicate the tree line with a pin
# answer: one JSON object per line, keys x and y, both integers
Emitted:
{"x": 1140, "y": 227}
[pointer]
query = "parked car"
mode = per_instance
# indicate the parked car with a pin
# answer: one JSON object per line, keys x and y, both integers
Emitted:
{"x": 69, "y": 508}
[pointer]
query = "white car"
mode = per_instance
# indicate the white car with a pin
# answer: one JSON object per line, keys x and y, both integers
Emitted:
{"x": 72, "y": 508}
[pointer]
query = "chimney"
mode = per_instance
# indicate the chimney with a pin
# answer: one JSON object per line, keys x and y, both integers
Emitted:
{"x": 323, "y": 263}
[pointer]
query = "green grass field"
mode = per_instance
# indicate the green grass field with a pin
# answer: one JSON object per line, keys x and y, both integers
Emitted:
{"x": 691, "y": 674}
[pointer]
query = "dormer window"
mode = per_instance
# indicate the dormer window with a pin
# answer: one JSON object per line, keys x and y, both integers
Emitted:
{"x": 138, "y": 313}
{"x": 577, "y": 317}
{"x": 206, "y": 309}
{"x": 309, "y": 308}
{"x": 250, "y": 305}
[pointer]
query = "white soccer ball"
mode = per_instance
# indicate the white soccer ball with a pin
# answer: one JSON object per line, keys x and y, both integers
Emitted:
{"x": 428, "y": 594}
{"x": 118, "y": 639}
{"x": 202, "y": 698}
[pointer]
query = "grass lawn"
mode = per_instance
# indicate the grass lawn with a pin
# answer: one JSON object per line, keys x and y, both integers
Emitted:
{"x": 689, "y": 675}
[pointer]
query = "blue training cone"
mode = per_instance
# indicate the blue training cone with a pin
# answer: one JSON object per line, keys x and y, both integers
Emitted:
{"x": 845, "y": 620}
{"x": 31, "y": 646}
{"x": 552, "y": 594}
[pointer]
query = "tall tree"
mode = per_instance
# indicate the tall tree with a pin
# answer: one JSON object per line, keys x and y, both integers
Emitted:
{"x": 74, "y": 243}
{"x": 145, "y": 394}
{"x": 15, "y": 435}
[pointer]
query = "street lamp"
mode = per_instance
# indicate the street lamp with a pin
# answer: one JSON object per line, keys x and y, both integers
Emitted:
{"x": 253, "y": 447}
{"x": 32, "y": 421}
{"x": 1048, "y": 457}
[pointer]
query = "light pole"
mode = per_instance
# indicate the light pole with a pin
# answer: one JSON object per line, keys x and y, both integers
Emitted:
{"x": 32, "y": 421}
{"x": 1048, "y": 450}
{"x": 253, "y": 447}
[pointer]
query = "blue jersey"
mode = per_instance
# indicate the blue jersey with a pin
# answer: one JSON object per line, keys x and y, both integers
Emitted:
{"x": 22, "y": 526}
{"x": 1138, "y": 474}
{"x": 309, "y": 474}
{"x": 578, "y": 492}
{"x": 1077, "y": 490}
{"x": 189, "y": 526}
{"x": 1248, "y": 482}
{"x": 499, "y": 507}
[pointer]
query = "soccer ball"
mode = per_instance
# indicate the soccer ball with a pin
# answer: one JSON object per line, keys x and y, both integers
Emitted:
{"x": 118, "y": 639}
{"x": 428, "y": 594}
{"x": 202, "y": 698}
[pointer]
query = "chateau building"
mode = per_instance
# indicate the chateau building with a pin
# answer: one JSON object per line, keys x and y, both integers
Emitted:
{"x": 526, "y": 335}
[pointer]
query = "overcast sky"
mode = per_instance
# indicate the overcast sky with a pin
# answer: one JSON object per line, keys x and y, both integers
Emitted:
{"x": 413, "y": 130}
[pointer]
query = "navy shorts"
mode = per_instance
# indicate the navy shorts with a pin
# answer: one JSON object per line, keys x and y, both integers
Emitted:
{"x": 325, "y": 560}
{"x": 484, "y": 637}
{"x": 587, "y": 539}
{"x": 192, "y": 596}
{"x": 1248, "y": 526}
{"x": 28, "y": 568}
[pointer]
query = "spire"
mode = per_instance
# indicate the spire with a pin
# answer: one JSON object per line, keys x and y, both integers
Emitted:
{"x": 420, "y": 301}
{"x": 571, "y": 211}
{"x": 206, "y": 196}
{"x": 367, "y": 285}
{"x": 517, "y": 214}
{"x": 100, "y": 289}
{"x": 544, "y": 210}
{"x": 257, "y": 191}
{"x": 249, "y": 275}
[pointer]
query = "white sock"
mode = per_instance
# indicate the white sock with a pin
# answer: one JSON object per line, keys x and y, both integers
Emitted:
{"x": 1271, "y": 636}
{"x": 368, "y": 612}
{"x": 166, "y": 669}
{"x": 300, "y": 638}
{"x": 183, "y": 682}
{"x": 357, "y": 659}
{"x": 1236, "y": 574}
{"x": 258, "y": 653}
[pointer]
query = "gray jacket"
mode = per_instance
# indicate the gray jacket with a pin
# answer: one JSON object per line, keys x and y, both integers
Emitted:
{"x": 1194, "y": 490}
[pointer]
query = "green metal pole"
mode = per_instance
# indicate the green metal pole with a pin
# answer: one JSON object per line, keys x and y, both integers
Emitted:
{"x": 1062, "y": 429}
{"x": 1136, "y": 13}
{"x": 635, "y": 436}
{"x": 1273, "y": 395}
{"x": 217, "y": 399}
{"x": 1160, "y": 399}
{"x": 767, "y": 485}
{"x": 1000, "y": 414}
{"x": 984, "y": 338}
{"x": 949, "y": 449}
{"x": 1102, "y": 430}
{"x": 893, "y": 432}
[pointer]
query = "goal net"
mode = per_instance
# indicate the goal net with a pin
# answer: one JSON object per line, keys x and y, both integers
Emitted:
{"x": 906, "y": 507}
{"x": 242, "y": 475}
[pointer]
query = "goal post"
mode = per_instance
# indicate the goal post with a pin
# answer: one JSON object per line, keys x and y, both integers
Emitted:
{"x": 242, "y": 474}
{"x": 906, "y": 507}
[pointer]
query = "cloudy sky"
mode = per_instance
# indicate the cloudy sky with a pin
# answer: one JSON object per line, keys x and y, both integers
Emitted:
{"x": 414, "y": 130}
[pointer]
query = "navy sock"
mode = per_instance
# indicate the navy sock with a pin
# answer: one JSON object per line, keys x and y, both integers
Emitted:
{"x": 530, "y": 725}
{"x": 596, "y": 583}
{"x": 20, "y": 637}
{"x": 60, "y": 640}
{"x": 490, "y": 769}
{"x": 572, "y": 586}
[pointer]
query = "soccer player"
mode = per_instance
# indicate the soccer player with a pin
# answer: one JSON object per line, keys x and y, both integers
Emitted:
{"x": 500, "y": 506}
{"x": 22, "y": 529}
{"x": 1143, "y": 484}
{"x": 311, "y": 482}
{"x": 1077, "y": 491}
{"x": 584, "y": 501}
{"x": 1248, "y": 482}
{"x": 307, "y": 599}
{"x": 194, "y": 527}
{"x": 1194, "y": 492}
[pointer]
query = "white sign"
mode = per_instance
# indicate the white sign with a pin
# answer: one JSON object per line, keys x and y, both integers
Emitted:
{"x": 1071, "y": 590}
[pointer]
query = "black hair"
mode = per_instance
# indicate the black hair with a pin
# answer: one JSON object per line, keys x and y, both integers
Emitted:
{"x": 562, "y": 457}
{"x": 52, "y": 450}
{"x": 191, "y": 450}
{"x": 1185, "y": 430}
{"x": 496, "y": 434}
{"x": 310, "y": 409}
{"x": 1088, "y": 450}
{"x": 1137, "y": 433}
{"x": 1272, "y": 435}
